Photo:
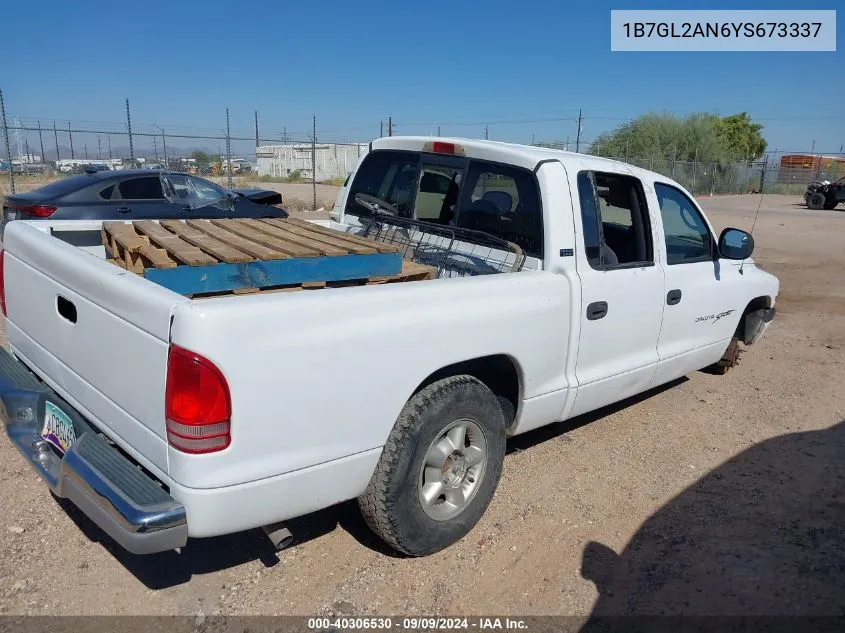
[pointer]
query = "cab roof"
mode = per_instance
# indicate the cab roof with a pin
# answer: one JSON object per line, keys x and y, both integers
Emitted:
{"x": 527, "y": 156}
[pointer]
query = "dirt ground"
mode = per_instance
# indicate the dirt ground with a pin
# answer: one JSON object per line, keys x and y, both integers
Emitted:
{"x": 710, "y": 495}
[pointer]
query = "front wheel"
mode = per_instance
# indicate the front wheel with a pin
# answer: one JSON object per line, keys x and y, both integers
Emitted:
{"x": 816, "y": 201}
{"x": 439, "y": 468}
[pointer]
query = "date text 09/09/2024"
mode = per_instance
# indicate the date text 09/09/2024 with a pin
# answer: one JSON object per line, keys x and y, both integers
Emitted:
{"x": 417, "y": 623}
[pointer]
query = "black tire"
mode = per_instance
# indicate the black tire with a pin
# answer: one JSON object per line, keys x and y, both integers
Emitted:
{"x": 816, "y": 201}
{"x": 391, "y": 504}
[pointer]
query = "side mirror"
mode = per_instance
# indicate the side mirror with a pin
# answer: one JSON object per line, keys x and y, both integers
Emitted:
{"x": 735, "y": 244}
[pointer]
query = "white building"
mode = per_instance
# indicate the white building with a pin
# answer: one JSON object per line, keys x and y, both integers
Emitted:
{"x": 332, "y": 160}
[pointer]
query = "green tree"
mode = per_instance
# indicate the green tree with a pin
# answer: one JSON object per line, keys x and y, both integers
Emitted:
{"x": 741, "y": 136}
{"x": 202, "y": 158}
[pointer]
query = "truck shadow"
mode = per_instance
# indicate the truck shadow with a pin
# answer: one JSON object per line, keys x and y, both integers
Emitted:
{"x": 204, "y": 556}
{"x": 762, "y": 534}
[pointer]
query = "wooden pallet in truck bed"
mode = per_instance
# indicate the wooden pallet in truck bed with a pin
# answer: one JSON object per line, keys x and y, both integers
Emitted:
{"x": 211, "y": 257}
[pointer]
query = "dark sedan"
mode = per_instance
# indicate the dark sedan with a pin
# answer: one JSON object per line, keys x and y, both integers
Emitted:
{"x": 135, "y": 194}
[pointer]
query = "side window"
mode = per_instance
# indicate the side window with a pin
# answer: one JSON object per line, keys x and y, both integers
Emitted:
{"x": 105, "y": 194}
{"x": 617, "y": 231}
{"x": 503, "y": 201}
{"x": 143, "y": 188}
{"x": 687, "y": 237}
{"x": 389, "y": 176}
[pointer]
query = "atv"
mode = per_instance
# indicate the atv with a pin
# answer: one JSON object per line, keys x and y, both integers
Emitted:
{"x": 823, "y": 194}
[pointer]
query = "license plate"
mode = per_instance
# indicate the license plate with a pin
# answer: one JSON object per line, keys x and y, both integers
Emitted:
{"x": 58, "y": 428}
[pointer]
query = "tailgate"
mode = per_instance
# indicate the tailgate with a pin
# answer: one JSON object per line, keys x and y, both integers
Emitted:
{"x": 95, "y": 333}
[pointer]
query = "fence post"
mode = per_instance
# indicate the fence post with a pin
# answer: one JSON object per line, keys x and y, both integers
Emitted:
{"x": 314, "y": 162}
{"x": 41, "y": 140}
{"x": 763, "y": 173}
{"x": 56, "y": 137}
{"x": 129, "y": 127}
{"x": 70, "y": 137}
{"x": 228, "y": 152}
{"x": 164, "y": 147}
{"x": 8, "y": 150}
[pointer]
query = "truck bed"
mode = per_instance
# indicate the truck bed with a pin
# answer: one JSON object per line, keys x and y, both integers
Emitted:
{"x": 202, "y": 258}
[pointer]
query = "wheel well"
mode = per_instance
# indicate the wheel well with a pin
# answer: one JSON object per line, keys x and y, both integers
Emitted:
{"x": 498, "y": 372}
{"x": 758, "y": 303}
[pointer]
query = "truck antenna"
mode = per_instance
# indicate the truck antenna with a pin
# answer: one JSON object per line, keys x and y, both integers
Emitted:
{"x": 757, "y": 212}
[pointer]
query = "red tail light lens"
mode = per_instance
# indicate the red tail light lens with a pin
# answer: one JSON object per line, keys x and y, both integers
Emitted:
{"x": 39, "y": 211}
{"x": 197, "y": 404}
{"x": 3, "y": 281}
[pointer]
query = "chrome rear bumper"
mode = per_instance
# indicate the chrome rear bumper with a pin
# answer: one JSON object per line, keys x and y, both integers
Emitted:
{"x": 115, "y": 493}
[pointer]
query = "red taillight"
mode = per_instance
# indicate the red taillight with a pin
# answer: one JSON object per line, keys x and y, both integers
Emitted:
{"x": 196, "y": 403}
{"x": 3, "y": 281}
{"x": 438, "y": 147}
{"x": 39, "y": 210}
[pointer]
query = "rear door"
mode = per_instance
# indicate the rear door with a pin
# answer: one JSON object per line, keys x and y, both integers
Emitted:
{"x": 621, "y": 289}
{"x": 141, "y": 197}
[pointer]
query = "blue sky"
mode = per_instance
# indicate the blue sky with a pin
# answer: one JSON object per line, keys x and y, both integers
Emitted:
{"x": 524, "y": 68}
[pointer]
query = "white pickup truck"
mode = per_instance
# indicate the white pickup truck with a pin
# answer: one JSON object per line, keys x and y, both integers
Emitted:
{"x": 171, "y": 417}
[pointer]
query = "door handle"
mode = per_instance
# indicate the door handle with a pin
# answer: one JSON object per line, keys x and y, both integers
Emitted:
{"x": 66, "y": 309}
{"x": 596, "y": 310}
{"x": 123, "y": 209}
{"x": 673, "y": 297}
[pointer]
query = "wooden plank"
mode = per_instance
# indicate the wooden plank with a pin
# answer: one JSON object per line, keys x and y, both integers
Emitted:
{"x": 312, "y": 236}
{"x": 117, "y": 262}
{"x": 125, "y": 235}
{"x": 156, "y": 257}
{"x": 210, "y": 245}
{"x": 253, "y": 231}
{"x": 191, "y": 280}
{"x": 293, "y": 238}
{"x": 175, "y": 246}
{"x": 381, "y": 247}
{"x": 259, "y": 251}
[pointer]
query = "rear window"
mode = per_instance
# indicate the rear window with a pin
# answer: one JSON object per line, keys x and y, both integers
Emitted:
{"x": 64, "y": 186}
{"x": 497, "y": 199}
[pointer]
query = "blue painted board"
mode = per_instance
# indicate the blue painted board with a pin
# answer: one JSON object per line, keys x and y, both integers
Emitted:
{"x": 190, "y": 280}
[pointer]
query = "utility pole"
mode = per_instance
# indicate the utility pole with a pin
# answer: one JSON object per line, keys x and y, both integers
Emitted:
{"x": 8, "y": 149}
{"x": 85, "y": 145}
{"x": 109, "y": 137}
{"x": 228, "y": 152}
{"x": 164, "y": 147}
{"x": 41, "y": 140}
{"x": 438, "y": 130}
{"x": 155, "y": 148}
{"x": 99, "y": 147}
{"x": 486, "y": 133}
{"x": 285, "y": 135}
{"x": 314, "y": 161}
{"x": 70, "y": 136}
{"x": 56, "y": 137}
{"x": 256, "y": 128}
{"x": 578, "y": 138}
{"x": 380, "y": 129}
{"x": 129, "y": 127}
{"x": 390, "y": 126}
{"x": 27, "y": 150}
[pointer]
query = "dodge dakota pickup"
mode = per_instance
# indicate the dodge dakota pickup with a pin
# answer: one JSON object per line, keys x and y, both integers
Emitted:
{"x": 164, "y": 416}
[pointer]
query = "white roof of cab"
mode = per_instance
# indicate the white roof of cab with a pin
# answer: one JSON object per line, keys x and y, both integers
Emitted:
{"x": 528, "y": 156}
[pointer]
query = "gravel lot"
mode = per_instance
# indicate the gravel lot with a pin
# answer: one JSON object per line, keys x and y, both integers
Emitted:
{"x": 711, "y": 495}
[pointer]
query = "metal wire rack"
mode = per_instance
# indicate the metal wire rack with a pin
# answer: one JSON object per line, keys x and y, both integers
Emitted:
{"x": 454, "y": 251}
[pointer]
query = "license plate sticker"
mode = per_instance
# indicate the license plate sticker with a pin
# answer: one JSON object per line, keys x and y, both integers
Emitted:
{"x": 58, "y": 428}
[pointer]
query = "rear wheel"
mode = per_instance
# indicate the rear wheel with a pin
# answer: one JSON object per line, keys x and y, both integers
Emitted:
{"x": 830, "y": 203}
{"x": 439, "y": 468}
